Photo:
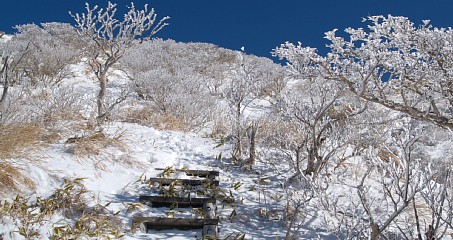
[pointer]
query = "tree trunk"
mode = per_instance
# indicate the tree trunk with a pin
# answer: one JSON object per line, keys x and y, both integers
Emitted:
{"x": 298, "y": 160}
{"x": 311, "y": 162}
{"x": 375, "y": 232}
{"x": 4, "y": 94}
{"x": 4, "y": 72}
{"x": 252, "y": 154}
{"x": 430, "y": 234}
{"x": 102, "y": 114}
{"x": 239, "y": 150}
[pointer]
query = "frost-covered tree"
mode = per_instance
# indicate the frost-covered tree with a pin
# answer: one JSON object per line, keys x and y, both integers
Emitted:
{"x": 168, "y": 79}
{"x": 398, "y": 187}
{"x": 393, "y": 63}
{"x": 400, "y": 174}
{"x": 110, "y": 38}
{"x": 216, "y": 71}
{"x": 11, "y": 58}
{"x": 244, "y": 84}
{"x": 317, "y": 117}
{"x": 52, "y": 48}
{"x": 404, "y": 190}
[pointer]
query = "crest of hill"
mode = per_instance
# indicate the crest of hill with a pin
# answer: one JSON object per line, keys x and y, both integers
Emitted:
{"x": 198, "y": 55}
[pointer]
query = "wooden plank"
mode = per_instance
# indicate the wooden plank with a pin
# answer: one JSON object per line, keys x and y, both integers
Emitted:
{"x": 192, "y": 182}
{"x": 160, "y": 223}
{"x": 201, "y": 173}
{"x": 161, "y": 201}
{"x": 198, "y": 173}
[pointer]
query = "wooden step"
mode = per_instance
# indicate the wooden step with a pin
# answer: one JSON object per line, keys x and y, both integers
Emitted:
{"x": 161, "y": 223}
{"x": 161, "y": 201}
{"x": 191, "y": 182}
{"x": 209, "y": 226}
{"x": 201, "y": 173}
{"x": 198, "y": 173}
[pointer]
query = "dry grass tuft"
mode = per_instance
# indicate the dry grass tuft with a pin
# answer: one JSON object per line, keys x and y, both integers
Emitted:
{"x": 95, "y": 146}
{"x": 387, "y": 155}
{"x": 17, "y": 141}
{"x": 140, "y": 115}
{"x": 51, "y": 137}
{"x": 92, "y": 144}
{"x": 148, "y": 117}
{"x": 279, "y": 134}
{"x": 170, "y": 122}
{"x": 50, "y": 118}
{"x": 11, "y": 178}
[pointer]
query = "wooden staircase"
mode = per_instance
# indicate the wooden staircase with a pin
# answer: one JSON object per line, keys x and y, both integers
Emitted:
{"x": 205, "y": 205}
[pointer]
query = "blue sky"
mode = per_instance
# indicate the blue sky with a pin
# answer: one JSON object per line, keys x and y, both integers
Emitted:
{"x": 258, "y": 25}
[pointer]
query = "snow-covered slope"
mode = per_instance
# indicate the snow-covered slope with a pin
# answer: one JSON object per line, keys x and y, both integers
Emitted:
{"x": 112, "y": 176}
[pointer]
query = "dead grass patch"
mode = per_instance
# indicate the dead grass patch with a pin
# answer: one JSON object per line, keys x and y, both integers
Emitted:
{"x": 50, "y": 137}
{"x": 61, "y": 115}
{"x": 163, "y": 121}
{"x": 95, "y": 146}
{"x": 140, "y": 115}
{"x": 18, "y": 141}
{"x": 11, "y": 178}
{"x": 279, "y": 134}
{"x": 81, "y": 218}
{"x": 170, "y": 122}
{"x": 388, "y": 156}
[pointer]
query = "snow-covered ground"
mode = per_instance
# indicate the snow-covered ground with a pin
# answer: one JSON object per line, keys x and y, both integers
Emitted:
{"x": 113, "y": 176}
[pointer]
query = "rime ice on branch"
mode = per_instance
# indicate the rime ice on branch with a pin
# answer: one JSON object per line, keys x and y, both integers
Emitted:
{"x": 110, "y": 38}
{"x": 393, "y": 63}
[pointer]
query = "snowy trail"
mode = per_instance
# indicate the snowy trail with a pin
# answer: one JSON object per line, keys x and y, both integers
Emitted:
{"x": 147, "y": 149}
